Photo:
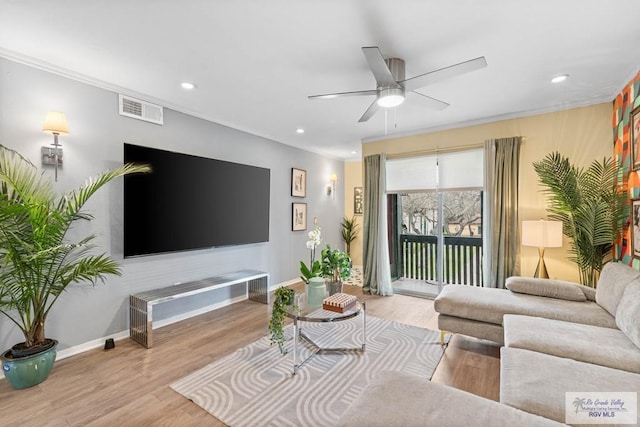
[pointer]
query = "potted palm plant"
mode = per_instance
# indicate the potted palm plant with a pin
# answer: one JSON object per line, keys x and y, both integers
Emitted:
{"x": 592, "y": 210}
{"x": 349, "y": 231}
{"x": 37, "y": 262}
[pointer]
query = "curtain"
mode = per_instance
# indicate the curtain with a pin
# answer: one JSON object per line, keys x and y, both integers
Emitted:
{"x": 377, "y": 272}
{"x": 502, "y": 239}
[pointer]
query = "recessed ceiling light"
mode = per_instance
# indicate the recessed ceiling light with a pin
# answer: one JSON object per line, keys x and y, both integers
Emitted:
{"x": 187, "y": 85}
{"x": 560, "y": 78}
{"x": 300, "y": 130}
{"x": 354, "y": 152}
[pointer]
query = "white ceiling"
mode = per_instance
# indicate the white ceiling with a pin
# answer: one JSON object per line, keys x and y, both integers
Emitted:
{"x": 255, "y": 61}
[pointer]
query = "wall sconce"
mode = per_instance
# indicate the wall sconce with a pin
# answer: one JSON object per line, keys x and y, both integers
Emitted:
{"x": 56, "y": 124}
{"x": 542, "y": 234}
{"x": 331, "y": 188}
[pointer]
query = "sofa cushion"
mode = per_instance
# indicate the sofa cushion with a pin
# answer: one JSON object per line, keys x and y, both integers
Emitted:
{"x": 397, "y": 399}
{"x": 628, "y": 313}
{"x": 573, "y": 341}
{"x": 538, "y": 383}
{"x": 490, "y": 305}
{"x": 614, "y": 278}
{"x": 545, "y": 288}
{"x": 590, "y": 293}
{"x": 472, "y": 328}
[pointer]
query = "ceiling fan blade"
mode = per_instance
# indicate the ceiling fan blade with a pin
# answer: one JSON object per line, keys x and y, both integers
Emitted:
{"x": 432, "y": 103}
{"x": 336, "y": 95}
{"x": 444, "y": 73}
{"x": 373, "y": 108}
{"x": 379, "y": 67}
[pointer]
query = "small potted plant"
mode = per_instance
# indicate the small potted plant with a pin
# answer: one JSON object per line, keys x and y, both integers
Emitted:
{"x": 314, "y": 268}
{"x": 38, "y": 262}
{"x": 336, "y": 267}
{"x": 349, "y": 231}
{"x": 283, "y": 298}
{"x": 312, "y": 275}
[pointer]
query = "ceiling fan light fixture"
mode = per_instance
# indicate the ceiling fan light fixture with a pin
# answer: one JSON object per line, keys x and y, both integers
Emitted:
{"x": 391, "y": 97}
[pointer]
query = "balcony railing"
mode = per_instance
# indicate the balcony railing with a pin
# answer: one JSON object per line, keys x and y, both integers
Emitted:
{"x": 462, "y": 259}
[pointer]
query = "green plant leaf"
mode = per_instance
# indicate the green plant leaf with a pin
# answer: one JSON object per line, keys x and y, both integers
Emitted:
{"x": 591, "y": 208}
{"x": 37, "y": 263}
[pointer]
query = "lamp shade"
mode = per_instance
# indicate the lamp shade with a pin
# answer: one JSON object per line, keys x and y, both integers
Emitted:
{"x": 55, "y": 122}
{"x": 542, "y": 234}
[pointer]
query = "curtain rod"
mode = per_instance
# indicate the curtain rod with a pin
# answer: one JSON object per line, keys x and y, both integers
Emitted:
{"x": 418, "y": 153}
{"x": 425, "y": 152}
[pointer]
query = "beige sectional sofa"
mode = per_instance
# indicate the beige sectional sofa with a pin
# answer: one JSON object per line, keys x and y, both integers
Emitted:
{"x": 558, "y": 336}
{"x": 397, "y": 399}
{"x": 479, "y": 312}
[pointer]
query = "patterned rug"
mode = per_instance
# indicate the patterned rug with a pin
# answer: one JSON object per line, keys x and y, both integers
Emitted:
{"x": 254, "y": 386}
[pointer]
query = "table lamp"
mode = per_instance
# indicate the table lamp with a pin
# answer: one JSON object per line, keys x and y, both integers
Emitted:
{"x": 542, "y": 234}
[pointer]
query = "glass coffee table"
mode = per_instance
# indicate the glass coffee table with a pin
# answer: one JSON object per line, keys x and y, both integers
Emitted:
{"x": 305, "y": 313}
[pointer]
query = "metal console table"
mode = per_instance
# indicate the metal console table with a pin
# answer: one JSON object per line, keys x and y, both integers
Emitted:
{"x": 141, "y": 304}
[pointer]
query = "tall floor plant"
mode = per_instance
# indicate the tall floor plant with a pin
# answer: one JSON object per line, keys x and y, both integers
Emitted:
{"x": 592, "y": 210}
{"x": 37, "y": 261}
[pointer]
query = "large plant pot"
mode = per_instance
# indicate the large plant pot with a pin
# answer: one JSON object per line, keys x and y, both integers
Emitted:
{"x": 28, "y": 371}
{"x": 316, "y": 291}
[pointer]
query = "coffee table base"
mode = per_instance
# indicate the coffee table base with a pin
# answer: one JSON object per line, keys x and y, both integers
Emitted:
{"x": 299, "y": 335}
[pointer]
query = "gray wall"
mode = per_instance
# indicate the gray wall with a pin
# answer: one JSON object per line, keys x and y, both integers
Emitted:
{"x": 95, "y": 144}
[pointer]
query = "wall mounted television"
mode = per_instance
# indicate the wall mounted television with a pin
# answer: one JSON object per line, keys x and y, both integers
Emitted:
{"x": 189, "y": 202}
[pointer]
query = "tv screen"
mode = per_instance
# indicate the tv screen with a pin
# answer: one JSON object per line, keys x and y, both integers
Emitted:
{"x": 189, "y": 202}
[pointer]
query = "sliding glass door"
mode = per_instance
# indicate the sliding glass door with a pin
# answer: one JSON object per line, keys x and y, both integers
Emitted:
{"x": 435, "y": 231}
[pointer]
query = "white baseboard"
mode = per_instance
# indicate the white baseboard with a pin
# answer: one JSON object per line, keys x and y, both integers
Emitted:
{"x": 90, "y": 345}
{"x": 287, "y": 283}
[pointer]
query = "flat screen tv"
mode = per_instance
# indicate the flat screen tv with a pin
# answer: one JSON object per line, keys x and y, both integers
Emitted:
{"x": 189, "y": 202}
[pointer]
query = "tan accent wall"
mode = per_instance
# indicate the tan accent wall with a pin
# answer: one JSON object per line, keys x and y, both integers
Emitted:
{"x": 353, "y": 178}
{"x": 583, "y": 134}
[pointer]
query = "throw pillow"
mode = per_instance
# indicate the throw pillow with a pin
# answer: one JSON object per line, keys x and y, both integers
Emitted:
{"x": 590, "y": 293}
{"x": 628, "y": 313}
{"x": 546, "y": 288}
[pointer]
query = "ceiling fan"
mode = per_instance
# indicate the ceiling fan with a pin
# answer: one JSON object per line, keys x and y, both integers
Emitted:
{"x": 391, "y": 85}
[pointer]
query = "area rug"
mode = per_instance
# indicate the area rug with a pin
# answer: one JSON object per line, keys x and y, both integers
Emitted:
{"x": 254, "y": 386}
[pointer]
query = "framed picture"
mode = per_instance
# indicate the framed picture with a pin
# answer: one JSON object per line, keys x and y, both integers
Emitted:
{"x": 358, "y": 200}
{"x": 298, "y": 182}
{"x": 634, "y": 133}
{"x": 299, "y": 216}
{"x": 635, "y": 229}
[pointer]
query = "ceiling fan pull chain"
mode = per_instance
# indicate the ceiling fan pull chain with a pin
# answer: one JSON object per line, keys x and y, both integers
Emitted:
{"x": 385, "y": 121}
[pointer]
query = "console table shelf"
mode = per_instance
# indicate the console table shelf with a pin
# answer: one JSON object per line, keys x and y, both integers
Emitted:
{"x": 141, "y": 304}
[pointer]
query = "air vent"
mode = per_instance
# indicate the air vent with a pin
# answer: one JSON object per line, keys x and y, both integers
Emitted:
{"x": 138, "y": 109}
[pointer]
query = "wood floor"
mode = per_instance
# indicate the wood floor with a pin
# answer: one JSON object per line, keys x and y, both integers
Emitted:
{"x": 129, "y": 385}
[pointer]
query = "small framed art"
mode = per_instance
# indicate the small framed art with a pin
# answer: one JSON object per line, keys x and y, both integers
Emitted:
{"x": 635, "y": 229}
{"x": 634, "y": 133}
{"x": 298, "y": 216}
{"x": 298, "y": 182}
{"x": 358, "y": 201}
